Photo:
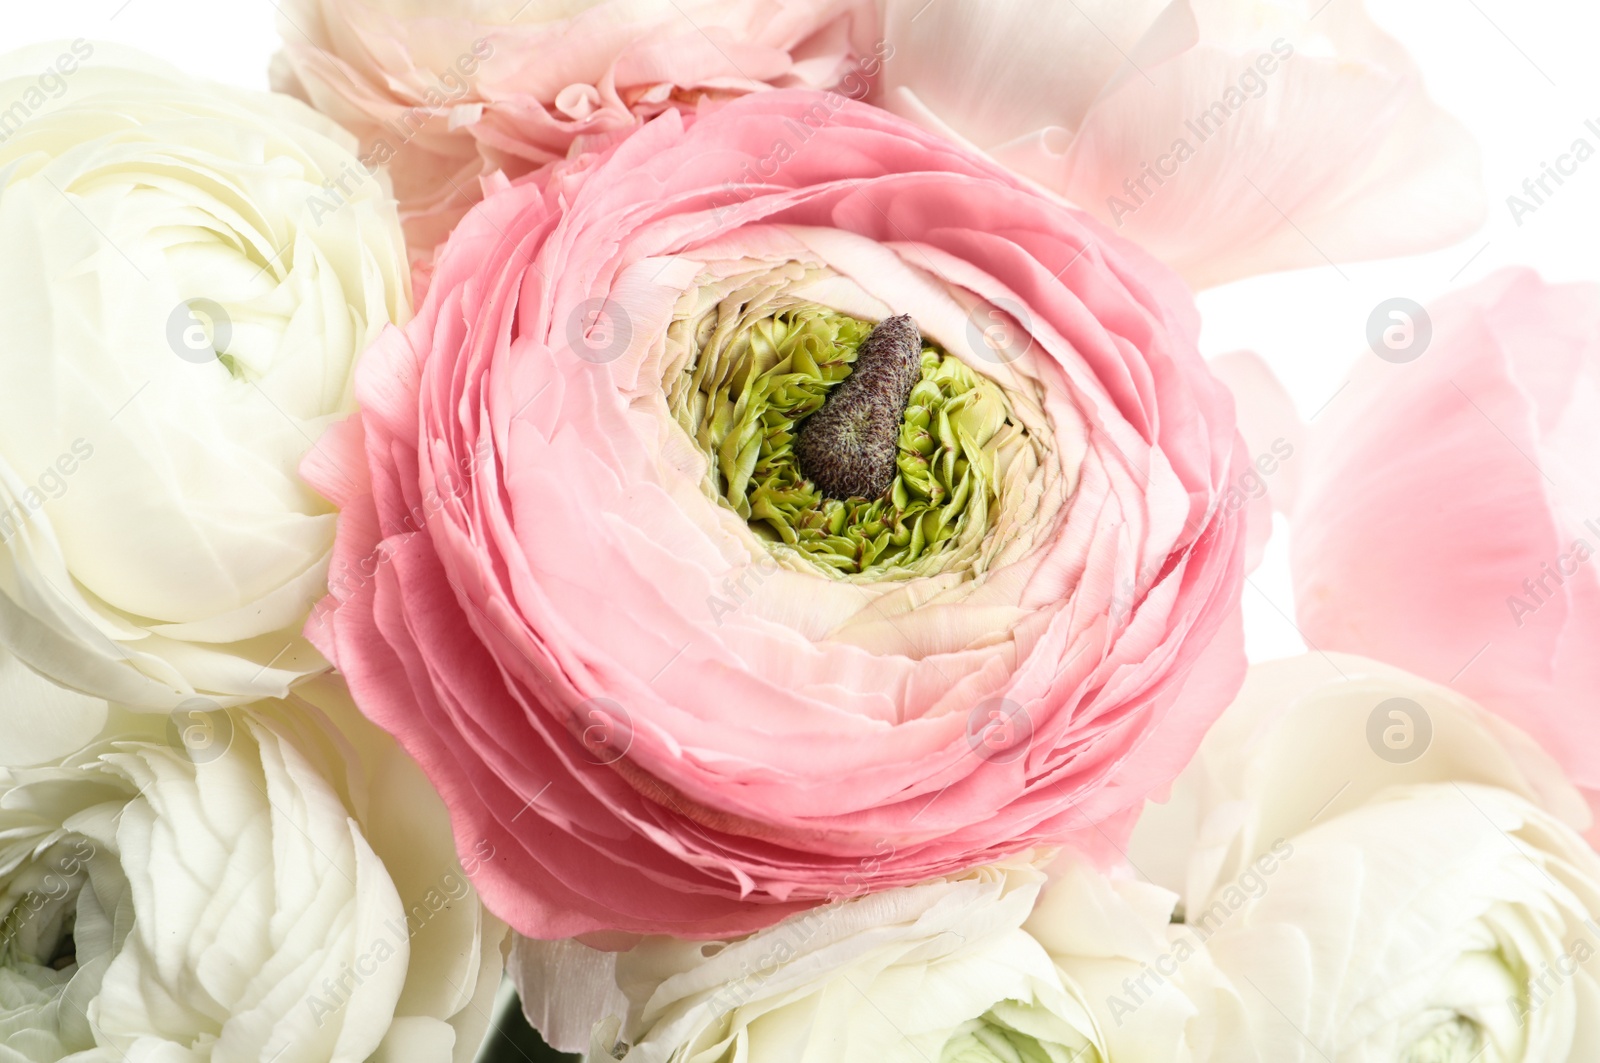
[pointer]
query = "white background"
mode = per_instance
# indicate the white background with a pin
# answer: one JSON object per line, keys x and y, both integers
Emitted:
{"x": 1523, "y": 76}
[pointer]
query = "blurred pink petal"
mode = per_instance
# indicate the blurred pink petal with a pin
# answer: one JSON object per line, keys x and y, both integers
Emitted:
{"x": 1450, "y": 515}
{"x": 1229, "y": 138}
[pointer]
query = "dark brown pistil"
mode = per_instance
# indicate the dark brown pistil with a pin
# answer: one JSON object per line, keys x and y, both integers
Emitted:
{"x": 847, "y": 448}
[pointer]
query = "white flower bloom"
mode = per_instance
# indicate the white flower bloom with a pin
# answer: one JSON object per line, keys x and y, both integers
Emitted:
{"x": 269, "y": 883}
{"x": 1151, "y": 986}
{"x": 964, "y": 969}
{"x": 190, "y": 273}
{"x": 1384, "y": 872}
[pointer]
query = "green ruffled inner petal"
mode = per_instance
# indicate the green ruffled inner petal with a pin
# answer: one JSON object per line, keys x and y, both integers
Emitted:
{"x": 997, "y": 1038}
{"x": 758, "y": 375}
{"x": 1456, "y": 1041}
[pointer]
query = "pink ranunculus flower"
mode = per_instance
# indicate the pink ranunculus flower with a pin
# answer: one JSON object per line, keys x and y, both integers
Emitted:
{"x": 1230, "y": 137}
{"x": 587, "y": 576}
{"x": 1449, "y": 518}
{"x": 444, "y": 93}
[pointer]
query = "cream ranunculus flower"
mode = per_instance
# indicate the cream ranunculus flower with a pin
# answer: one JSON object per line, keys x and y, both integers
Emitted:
{"x": 999, "y": 964}
{"x": 1385, "y": 872}
{"x": 275, "y": 882}
{"x": 184, "y": 299}
{"x": 1197, "y": 127}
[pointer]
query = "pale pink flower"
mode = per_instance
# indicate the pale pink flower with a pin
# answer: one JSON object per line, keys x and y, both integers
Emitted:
{"x": 444, "y": 93}
{"x": 1230, "y": 137}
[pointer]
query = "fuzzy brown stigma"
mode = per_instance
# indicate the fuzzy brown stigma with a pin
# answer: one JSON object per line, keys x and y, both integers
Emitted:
{"x": 848, "y": 447}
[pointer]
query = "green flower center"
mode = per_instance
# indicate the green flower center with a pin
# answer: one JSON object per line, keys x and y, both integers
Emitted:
{"x": 997, "y": 1038}
{"x": 1456, "y": 1041}
{"x": 41, "y": 898}
{"x": 759, "y": 373}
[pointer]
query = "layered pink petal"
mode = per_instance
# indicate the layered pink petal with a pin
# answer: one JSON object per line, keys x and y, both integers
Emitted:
{"x": 524, "y": 569}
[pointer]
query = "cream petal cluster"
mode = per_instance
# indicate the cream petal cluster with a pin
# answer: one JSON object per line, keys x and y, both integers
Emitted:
{"x": 1197, "y": 127}
{"x": 268, "y": 883}
{"x": 185, "y": 295}
{"x": 998, "y": 964}
{"x": 1384, "y": 871}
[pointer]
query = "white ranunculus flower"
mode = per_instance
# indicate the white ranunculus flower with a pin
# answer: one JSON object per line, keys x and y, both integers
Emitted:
{"x": 190, "y": 272}
{"x": 977, "y": 968}
{"x": 274, "y": 882}
{"x": 1385, "y": 872}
